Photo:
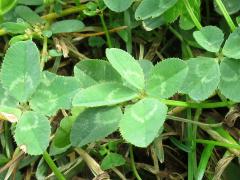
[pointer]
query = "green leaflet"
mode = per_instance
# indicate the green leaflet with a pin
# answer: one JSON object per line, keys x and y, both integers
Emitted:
{"x": 28, "y": 15}
{"x": 92, "y": 6}
{"x": 41, "y": 169}
{"x": 118, "y": 5}
{"x": 15, "y": 28}
{"x": 18, "y": 38}
{"x": 91, "y": 72}
{"x": 3, "y": 160}
{"x": 230, "y": 75}
{"x": 232, "y": 6}
{"x": 54, "y": 93}
{"x": 174, "y": 12}
{"x": 31, "y": 2}
{"x": 169, "y": 16}
{"x": 166, "y": 78}
{"x": 96, "y": 41}
{"x": 62, "y": 135}
{"x": 93, "y": 124}
{"x": 103, "y": 94}
{"x": 66, "y": 26}
{"x": 126, "y": 66}
{"x": 6, "y": 5}
{"x": 153, "y": 23}
{"x": 153, "y": 8}
{"x": 158, "y": 147}
{"x": 231, "y": 47}
{"x": 202, "y": 79}
{"x": 21, "y": 70}
{"x": 142, "y": 121}
{"x": 112, "y": 160}
{"x": 205, "y": 156}
{"x": 61, "y": 140}
{"x": 210, "y": 38}
{"x": 32, "y": 133}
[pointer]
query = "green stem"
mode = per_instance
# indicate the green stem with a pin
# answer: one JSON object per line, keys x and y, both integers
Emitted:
{"x": 127, "y": 22}
{"x": 53, "y": 166}
{"x": 174, "y": 118}
{"x": 109, "y": 43}
{"x": 217, "y": 143}
{"x": 189, "y": 144}
{"x": 179, "y": 36}
{"x": 218, "y": 137}
{"x": 176, "y": 33}
{"x": 7, "y": 138}
{"x": 56, "y": 65}
{"x": 69, "y": 11}
{"x": 133, "y": 163}
{"x": 226, "y": 15}
{"x": 192, "y": 15}
{"x": 194, "y": 137}
{"x": 197, "y": 105}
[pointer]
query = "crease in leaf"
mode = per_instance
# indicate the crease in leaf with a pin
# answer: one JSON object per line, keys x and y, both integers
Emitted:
{"x": 230, "y": 77}
{"x": 142, "y": 121}
{"x": 93, "y": 124}
{"x": 91, "y": 72}
{"x": 6, "y": 99}
{"x": 210, "y": 38}
{"x": 32, "y": 133}
{"x": 54, "y": 93}
{"x": 202, "y": 79}
{"x": 166, "y": 78}
{"x": 104, "y": 94}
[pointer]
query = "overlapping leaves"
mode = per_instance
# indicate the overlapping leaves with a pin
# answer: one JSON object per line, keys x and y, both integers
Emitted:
{"x": 94, "y": 124}
{"x": 211, "y": 39}
{"x": 102, "y": 87}
{"x": 54, "y": 93}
